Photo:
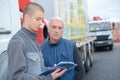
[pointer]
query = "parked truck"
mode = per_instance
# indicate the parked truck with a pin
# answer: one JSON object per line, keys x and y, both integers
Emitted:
{"x": 74, "y": 14}
{"x": 9, "y": 25}
{"x": 102, "y": 30}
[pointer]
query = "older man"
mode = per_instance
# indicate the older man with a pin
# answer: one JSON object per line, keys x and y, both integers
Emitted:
{"x": 56, "y": 49}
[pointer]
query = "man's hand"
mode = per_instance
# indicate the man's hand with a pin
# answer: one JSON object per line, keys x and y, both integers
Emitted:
{"x": 57, "y": 73}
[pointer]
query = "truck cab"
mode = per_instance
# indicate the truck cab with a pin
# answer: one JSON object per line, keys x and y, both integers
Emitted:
{"x": 9, "y": 22}
{"x": 9, "y": 25}
{"x": 103, "y": 33}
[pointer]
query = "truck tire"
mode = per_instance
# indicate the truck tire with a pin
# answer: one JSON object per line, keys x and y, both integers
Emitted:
{"x": 90, "y": 55}
{"x": 110, "y": 48}
{"x": 91, "y": 61}
{"x": 4, "y": 66}
{"x": 87, "y": 64}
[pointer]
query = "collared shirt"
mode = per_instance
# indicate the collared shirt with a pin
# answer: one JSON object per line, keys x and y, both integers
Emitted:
{"x": 63, "y": 50}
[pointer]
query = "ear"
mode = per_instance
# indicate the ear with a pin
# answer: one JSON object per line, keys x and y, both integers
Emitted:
{"x": 48, "y": 31}
{"x": 27, "y": 17}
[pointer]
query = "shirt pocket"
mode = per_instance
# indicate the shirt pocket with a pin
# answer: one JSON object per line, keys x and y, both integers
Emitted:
{"x": 32, "y": 56}
{"x": 64, "y": 56}
{"x": 33, "y": 63}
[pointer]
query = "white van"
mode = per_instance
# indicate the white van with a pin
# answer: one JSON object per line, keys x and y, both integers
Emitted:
{"x": 103, "y": 33}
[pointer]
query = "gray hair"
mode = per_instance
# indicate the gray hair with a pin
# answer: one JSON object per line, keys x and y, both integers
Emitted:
{"x": 55, "y": 18}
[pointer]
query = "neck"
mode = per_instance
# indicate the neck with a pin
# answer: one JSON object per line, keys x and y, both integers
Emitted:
{"x": 27, "y": 27}
{"x": 53, "y": 41}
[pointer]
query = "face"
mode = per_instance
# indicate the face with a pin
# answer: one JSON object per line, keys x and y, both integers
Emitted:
{"x": 35, "y": 20}
{"x": 55, "y": 30}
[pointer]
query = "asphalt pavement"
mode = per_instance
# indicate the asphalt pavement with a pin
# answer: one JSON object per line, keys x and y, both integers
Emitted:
{"x": 106, "y": 64}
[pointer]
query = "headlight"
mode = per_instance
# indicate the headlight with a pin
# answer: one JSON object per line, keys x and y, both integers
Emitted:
{"x": 110, "y": 37}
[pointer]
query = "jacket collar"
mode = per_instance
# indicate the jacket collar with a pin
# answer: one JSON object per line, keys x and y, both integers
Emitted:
{"x": 30, "y": 34}
{"x": 58, "y": 42}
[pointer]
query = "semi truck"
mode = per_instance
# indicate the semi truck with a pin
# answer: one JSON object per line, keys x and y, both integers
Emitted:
{"x": 74, "y": 14}
{"x": 102, "y": 30}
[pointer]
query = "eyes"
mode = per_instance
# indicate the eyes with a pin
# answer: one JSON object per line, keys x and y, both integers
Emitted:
{"x": 39, "y": 19}
{"x": 57, "y": 27}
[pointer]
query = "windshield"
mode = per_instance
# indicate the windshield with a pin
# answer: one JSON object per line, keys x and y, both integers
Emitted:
{"x": 100, "y": 26}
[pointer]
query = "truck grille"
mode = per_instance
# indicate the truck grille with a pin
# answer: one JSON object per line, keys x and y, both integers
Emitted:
{"x": 103, "y": 37}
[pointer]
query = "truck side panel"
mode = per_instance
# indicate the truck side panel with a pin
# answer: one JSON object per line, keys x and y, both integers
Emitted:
{"x": 9, "y": 21}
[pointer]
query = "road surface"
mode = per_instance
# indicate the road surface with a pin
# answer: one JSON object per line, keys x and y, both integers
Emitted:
{"x": 106, "y": 64}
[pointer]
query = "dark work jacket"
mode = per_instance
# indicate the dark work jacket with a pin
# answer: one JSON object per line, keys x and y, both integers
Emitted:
{"x": 63, "y": 50}
{"x": 25, "y": 61}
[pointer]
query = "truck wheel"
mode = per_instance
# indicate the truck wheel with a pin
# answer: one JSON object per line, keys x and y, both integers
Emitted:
{"x": 110, "y": 48}
{"x": 87, "y": 64}
{"x": 91, "y": 61}
{"x": 90, "y": 55}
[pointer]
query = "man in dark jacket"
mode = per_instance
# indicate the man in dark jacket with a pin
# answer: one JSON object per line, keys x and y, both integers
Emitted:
{"x": 25, "y": 61}
{"x": 56, "y": 49}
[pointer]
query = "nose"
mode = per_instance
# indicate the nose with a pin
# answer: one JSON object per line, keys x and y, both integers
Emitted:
{"x": 56, "y": 30}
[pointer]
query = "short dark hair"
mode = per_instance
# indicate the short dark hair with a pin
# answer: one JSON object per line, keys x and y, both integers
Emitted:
{"x": 31, "y": 8}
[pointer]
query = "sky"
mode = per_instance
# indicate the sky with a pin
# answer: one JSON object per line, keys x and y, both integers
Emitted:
{"x": 106, "y": 9}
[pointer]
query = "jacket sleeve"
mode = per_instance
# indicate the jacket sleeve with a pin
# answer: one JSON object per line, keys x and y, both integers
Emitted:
{"x": 79, "y": 70}
{"x": 17, "y": 63}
